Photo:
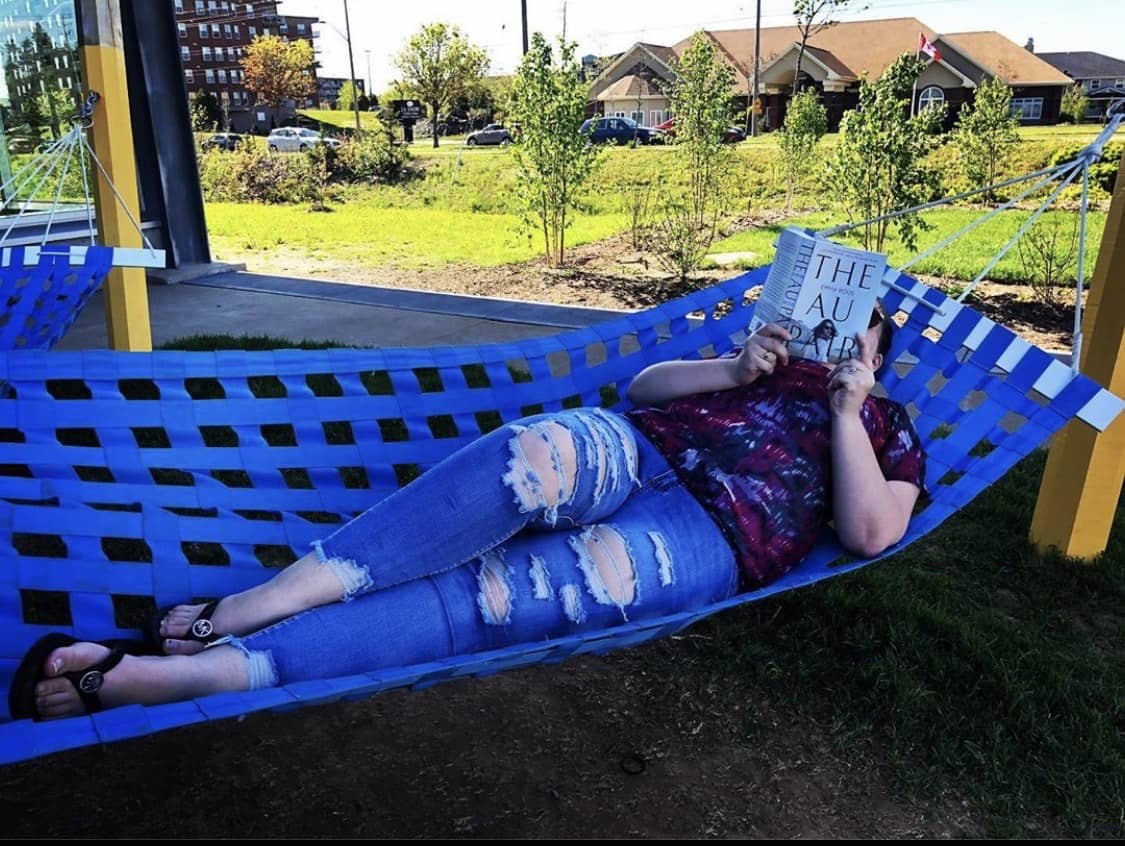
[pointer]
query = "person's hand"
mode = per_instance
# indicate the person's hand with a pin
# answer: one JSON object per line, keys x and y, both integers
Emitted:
{"x": 851, "y": 380}
{"x": 762, "y": 352}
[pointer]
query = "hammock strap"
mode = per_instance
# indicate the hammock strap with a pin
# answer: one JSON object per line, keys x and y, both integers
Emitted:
{"x": 978, "y": 221}
{"x": 1076, "y": 344}
{"x": 944, "y": 201}
{"x": 54, "y": 164}
{"x": 117, "y": 194}
{"x": 86, "y": 193}
{"x": 58, "y": 193}
{"x": 27, "y": 173}
{"x": 1020, "y": 232}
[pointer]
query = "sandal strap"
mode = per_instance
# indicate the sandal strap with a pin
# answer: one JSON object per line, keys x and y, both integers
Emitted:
{"x": 202, "y": 629}
{"x": 89, "y": 681}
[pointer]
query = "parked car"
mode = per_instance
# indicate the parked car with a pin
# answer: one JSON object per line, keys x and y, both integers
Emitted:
{"x": 620, "y": 130}
{"x": 731, "y": 135}
{"x": 494, "y": 133}
{"x": 222, "y": 141}
{"x": 296, "y": 139}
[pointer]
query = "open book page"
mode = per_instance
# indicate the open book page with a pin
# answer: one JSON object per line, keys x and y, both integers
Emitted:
{"x": 822, "y": 292}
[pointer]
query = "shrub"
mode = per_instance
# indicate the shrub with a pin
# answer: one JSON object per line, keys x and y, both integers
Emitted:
{"x": 372, "y": 159}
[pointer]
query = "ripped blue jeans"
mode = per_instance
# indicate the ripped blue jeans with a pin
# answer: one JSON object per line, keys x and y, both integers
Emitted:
{"x": 554, "y": 524}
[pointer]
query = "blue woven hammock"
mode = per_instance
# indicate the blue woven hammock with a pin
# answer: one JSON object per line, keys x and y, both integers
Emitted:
{"x": 42, "y": 299}
{"x": 129, "y": 481}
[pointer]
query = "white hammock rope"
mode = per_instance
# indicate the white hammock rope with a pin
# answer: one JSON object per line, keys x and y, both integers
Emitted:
{"x": 1067, "y": 172}
{"x": 62, "y": 151}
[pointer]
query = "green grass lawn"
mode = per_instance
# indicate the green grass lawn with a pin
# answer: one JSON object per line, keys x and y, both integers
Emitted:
{"x": 963, "y": 259}
{"x": 374, "y": 236}
{"x": 343, "y": 119}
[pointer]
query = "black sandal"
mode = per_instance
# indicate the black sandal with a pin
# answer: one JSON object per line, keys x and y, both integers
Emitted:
{"x": 21, "y": 695}
{"x": 201, "y": 631}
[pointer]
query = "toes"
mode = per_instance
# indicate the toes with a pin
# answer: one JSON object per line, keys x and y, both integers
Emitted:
{"x": 73, "y": 658}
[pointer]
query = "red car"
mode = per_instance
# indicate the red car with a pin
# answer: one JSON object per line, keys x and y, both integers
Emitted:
{"x": 731, "y": 135}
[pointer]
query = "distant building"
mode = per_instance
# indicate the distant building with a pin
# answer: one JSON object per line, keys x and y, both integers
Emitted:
{"x": 634, "y": 83}
{"x": 328, "y": 88}
{"x": 213, "y": 37}
{"x": 1102, "y": 76}
{"x": 40, "y": 54}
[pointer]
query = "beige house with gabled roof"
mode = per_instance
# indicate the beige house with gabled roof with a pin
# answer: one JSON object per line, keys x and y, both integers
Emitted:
{"x": 835, "y": 59}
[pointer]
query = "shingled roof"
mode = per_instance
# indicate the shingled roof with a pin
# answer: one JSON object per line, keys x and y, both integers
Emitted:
{"x": 1086, "y": 65}
{"x": 1005, "y": 59}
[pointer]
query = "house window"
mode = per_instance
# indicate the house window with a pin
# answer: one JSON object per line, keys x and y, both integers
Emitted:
{"x": 1027, "y": 108}
{"x": 209, "y": 75}
{"x": 931, "y": 96}
{"x": 655, "y": 117}
{"x": 1095, "y": 84}
{"x": 1119, "y": 83}
{"x": 185, "y": 54}
{"x": 300, "y": 29}
{"x": 639, "y": 117}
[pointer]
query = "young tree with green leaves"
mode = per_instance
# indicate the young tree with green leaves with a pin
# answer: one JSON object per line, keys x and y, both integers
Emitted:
{"x": 813, "y": 16}
{"x": 277, "y": 70}
{"x": 700, "y": 97}
{"x": 985, "y": 132}
{"x": 876, "y": 167}
{"x": 553, "y": 158}
{"x": 806, "y": 121}
{"x": 438, "y": 64}
{"x": 1074, "y": 103}
{"x": 205, "y": 113}
{"x": 346, "y": 96}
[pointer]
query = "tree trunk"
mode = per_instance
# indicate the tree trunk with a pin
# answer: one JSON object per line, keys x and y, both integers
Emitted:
{"x": 433, "y": 125}
{"x": 797, "y": 72}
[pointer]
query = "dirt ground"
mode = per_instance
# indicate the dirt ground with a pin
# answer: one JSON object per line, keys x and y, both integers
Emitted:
{"x": 643, "y": 744}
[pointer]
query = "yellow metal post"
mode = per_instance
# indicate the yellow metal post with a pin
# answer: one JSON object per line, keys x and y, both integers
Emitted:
{"x": 1085, "y": 468}
{"x": 103, "y": 69}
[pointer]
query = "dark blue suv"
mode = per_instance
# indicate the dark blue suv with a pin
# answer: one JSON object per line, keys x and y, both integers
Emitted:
{"x": 619, "y": 130}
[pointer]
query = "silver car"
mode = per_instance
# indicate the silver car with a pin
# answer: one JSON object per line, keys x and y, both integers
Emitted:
{"x": 295, "y": 139}
{"x": 494, "y": 133}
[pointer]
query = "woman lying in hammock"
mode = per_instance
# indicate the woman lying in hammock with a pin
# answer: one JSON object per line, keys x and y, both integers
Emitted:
{"x": 722, "y": 479}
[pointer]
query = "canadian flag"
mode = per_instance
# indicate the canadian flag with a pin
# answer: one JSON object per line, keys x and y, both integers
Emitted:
{"x": 927, "y": 47}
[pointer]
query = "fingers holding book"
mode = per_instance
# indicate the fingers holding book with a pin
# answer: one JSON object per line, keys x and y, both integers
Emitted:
{"x": 762, "y": 353}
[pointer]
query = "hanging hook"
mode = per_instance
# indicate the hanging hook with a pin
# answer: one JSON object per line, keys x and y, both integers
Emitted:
{"x": 85, "y": 113}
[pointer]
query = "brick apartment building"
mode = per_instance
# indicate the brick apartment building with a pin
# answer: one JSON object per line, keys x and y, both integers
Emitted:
{"x": 213, "y": 37}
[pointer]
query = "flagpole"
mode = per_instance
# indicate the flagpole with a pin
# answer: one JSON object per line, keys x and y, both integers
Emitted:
{"x": 914, "y": 90}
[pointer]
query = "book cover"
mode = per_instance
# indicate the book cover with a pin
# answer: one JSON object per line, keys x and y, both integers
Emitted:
{"x": 822, "y": 292}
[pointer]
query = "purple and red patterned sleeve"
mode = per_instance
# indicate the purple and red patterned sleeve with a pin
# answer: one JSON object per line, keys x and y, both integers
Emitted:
{"x": 902, "y": 458}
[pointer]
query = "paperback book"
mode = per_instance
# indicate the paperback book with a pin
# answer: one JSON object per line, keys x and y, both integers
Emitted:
{"x": 822, "y": 292}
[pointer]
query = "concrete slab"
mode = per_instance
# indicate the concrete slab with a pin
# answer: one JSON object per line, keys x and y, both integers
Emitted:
{"x": 249, "y": 304}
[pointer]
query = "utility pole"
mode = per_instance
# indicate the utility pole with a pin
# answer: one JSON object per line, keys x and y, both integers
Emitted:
{"x": 523, "y": 9}
{"x": 351, "y": 67}
{"x": 757, "y": 66}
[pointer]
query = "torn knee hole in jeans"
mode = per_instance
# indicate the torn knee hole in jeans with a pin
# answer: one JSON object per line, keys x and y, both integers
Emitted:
{"x": 543, "y": 469}
{"x": 607, "y": 562}
{"x": 495, "y": 596}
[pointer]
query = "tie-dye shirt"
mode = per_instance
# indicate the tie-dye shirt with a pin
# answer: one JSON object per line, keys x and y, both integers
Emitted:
{"x": 758, "y": 458}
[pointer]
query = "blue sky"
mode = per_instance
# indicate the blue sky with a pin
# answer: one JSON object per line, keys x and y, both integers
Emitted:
{"x": 380, "y": 29}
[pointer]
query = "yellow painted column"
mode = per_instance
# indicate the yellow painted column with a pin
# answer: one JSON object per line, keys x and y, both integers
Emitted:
{"x": 103, "y": 70}
{"x": 1082, "y": 483}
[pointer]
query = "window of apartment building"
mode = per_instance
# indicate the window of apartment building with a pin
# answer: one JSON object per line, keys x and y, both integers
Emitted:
{"x": 237, "y": 31}
{"x": 203, "y": 30}
{"x": 181, "y": 30}
{"x": 1028, "y": 108}
{"x": 249, "y": 9}
{"x": 206, "y": 54}
{"x": 216, "y": 32}
{"x": 222, "y": 76}
{"x": 253, "y": 31}
{"x": 265, "y": 30}
{"x": 209, "y": 75}
{"x": 185, "y": 53}
{"x": 213, "y": 6}
{"x": 179, "y": 7}
{"x": 189, "y": 76}
{"x": 932, "y": 95}
{"x": 199, "y": 7}
{"x": 225, "y": 6}
{"x": 228, "y": 33}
